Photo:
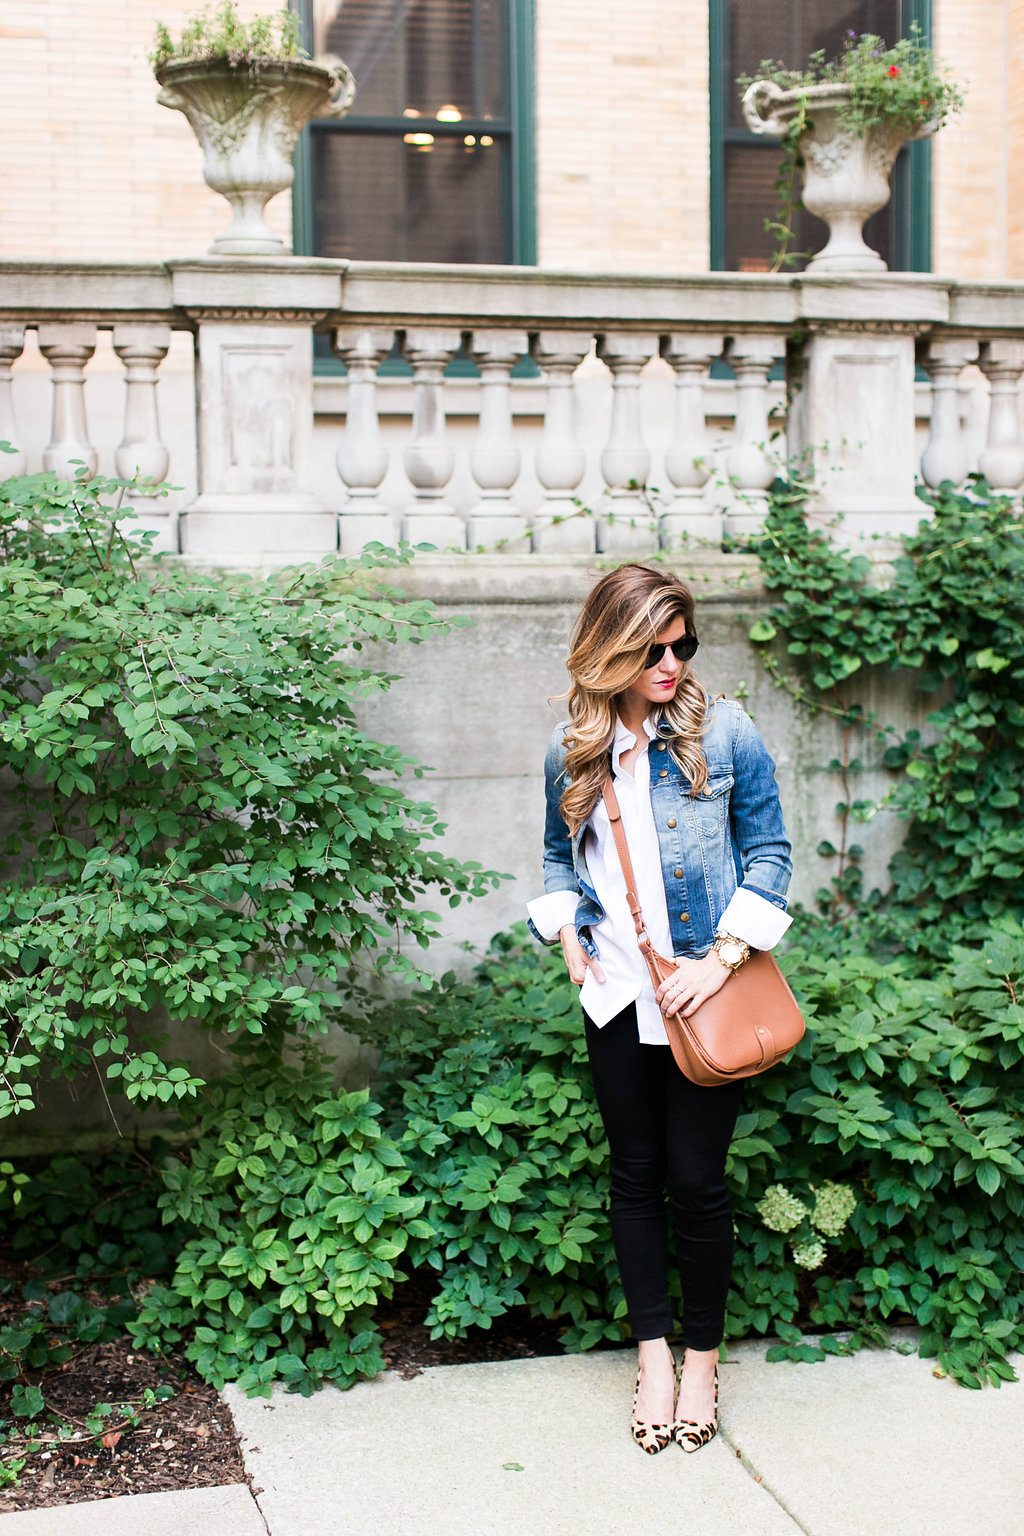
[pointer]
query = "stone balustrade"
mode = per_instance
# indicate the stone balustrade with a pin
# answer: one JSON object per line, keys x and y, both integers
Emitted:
{"x": 503, "y": 408}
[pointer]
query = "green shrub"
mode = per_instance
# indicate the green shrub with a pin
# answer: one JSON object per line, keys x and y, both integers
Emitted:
{"x": 877, "y": 1178}
{"x": 295, "y": 1210}
{"x": 498, "y": 1123}
{"x": 197, "y": 826}
{"x": 895, "y": 1130}
{"x": 910, "y": 1090}
{"x": 91, "y": 1216}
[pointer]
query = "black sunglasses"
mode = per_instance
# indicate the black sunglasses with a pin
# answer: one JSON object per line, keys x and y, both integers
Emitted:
{"x": 683, "y": 650}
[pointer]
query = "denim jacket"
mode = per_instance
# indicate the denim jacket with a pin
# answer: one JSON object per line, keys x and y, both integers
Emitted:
{"x": 728, "y": 837}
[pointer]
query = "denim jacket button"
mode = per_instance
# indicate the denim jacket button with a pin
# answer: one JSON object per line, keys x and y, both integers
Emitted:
{"x": 671, "y": 821}
{"x": 678, "y": 874}
{"x": 661, "y": 746}
{"x": 684, "y": 917}
{"x": 662, "y": 773}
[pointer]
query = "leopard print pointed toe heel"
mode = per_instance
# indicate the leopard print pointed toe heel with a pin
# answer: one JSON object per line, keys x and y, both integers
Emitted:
{"x": 651, "y": 1438}
{"x": 691, "y": 1436}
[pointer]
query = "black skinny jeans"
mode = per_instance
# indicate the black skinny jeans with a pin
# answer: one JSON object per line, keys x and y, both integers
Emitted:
{"x": 665, "y": 1134}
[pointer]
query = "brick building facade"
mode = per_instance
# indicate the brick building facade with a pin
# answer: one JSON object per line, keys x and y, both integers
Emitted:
{"x": 92, "y": 168}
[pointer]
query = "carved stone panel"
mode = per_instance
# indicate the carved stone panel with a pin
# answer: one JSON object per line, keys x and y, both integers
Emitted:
{"x": 260, "y": 437}
{"x": 255, "y": 415}
{"x": 853, "y": 420}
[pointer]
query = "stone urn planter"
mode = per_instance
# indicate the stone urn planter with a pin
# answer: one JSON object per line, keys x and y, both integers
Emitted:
{"x": 845, "y": 174}
{"x": 247, "y": 118}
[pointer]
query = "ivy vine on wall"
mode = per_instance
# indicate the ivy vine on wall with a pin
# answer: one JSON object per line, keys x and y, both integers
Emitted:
{"x": 953, "y": 612}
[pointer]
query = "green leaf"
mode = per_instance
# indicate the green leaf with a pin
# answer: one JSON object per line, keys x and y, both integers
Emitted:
{"x": 989, "y": 659}
{"x": 988, "y": 1178}
{"x": 27, "y": 1402}
{"x": 64, "y": 1306}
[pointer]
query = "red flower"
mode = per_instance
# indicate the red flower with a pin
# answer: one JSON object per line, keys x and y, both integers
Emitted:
{"x": 893, "y": 71}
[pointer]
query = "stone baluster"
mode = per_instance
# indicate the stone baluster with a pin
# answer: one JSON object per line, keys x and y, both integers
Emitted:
{"x": 12, "y": 344}
{"x": 626, "y": 460}
{"x": 560, "y": 526}
{"x": 142, "y": 454}
{"x": 973, "y": 417}
{"x": 362, "y": 456}
{"x": 748, "y": 464}
{"x": 1002, "y": 458}
{"x": 946, "y": 456}
{"x": 430, "y": 459}
{"x": 67, "y": 348}
{"x": 687, "y": 460}
{"x": 495, "y": 459}
{"x": 142, "y": 348}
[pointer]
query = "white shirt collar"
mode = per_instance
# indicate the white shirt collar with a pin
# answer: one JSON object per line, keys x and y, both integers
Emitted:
{"x": 625, "y": 739}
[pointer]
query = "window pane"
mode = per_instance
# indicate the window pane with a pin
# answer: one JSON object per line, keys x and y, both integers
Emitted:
{"x": 750, "y": 198}
{"x": 764, "y": 29}
{"x": 419, "y": 57}
{"x": 380, "y": 199}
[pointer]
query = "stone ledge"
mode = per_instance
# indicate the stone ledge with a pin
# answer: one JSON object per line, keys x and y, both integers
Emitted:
{"x": 559, "y": 579}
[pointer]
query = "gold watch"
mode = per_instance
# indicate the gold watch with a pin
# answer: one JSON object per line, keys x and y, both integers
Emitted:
{"x": 731, "y": 951}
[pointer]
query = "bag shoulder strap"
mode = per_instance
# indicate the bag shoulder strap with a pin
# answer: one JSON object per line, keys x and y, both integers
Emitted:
{"x": 611, "y": 805}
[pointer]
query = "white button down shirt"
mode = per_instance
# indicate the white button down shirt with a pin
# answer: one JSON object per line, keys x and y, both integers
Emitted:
{"x": 627, "y": 979}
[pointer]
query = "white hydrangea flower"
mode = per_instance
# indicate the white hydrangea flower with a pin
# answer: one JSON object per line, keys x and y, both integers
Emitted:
{"x": 781, "y": 1211}
{"x": 834, "y": 1204}
{"x": 809, "y": 1254}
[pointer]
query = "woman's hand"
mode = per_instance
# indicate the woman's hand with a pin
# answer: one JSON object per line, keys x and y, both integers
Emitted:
{"x": 692, "y": 983}
{"x": 576, "y": 958}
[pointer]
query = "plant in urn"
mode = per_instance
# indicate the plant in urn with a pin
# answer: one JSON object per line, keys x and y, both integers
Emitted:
{"x": 842, "y": 123}
{"x": 247, "y": 91}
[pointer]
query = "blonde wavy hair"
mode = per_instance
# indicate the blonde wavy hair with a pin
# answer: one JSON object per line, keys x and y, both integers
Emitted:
{"x": 618, "y": 624}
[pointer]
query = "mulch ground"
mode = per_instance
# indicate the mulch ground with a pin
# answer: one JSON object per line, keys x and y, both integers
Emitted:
{"x": 189, "y": 1441}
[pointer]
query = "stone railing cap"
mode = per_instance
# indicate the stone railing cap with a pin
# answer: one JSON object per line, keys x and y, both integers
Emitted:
{"x": 269, "y": 284}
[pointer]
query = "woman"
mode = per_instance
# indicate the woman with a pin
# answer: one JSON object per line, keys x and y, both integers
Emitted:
{"x": 700, "y": 810}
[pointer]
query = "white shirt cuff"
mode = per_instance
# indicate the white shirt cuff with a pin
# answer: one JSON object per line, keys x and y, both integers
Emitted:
{"x": 756, "y": 921}
{"x": 549, "y": 914}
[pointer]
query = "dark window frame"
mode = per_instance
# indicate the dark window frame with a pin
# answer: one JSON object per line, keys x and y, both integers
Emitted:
{"x": 518, "y": 182}
{"x": 912, "y": 173}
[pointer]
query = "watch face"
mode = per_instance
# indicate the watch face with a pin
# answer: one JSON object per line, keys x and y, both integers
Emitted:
{"x": 730, "y": 950}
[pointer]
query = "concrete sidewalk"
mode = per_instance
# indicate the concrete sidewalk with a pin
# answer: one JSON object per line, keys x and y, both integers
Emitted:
{"x": 873, "y": 1445}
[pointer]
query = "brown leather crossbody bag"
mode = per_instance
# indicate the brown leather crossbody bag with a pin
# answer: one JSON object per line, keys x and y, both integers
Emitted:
{"x": 751, "y": 1023}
